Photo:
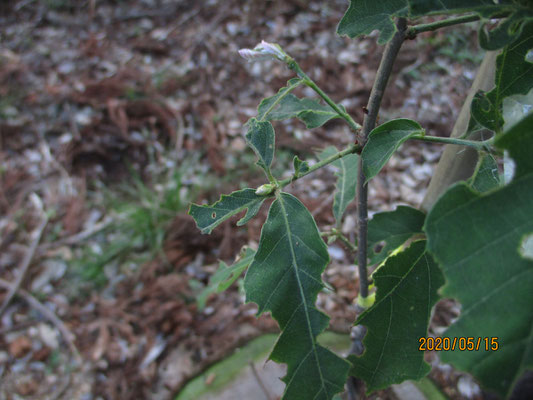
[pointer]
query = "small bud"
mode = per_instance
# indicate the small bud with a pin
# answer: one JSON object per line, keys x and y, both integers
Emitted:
{"x": 264, "y": 51}
{"x": 366, "y": 302}
{"x": 265, "y": 189}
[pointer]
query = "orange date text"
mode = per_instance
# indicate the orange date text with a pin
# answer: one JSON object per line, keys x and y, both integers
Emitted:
{"x": 458, "y": 343}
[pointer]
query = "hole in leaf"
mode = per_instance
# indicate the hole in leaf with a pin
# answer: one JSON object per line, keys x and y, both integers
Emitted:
{"x": 526, "y": 247}
{"x": 214, "y": 215}
{"x": 379, "y": 246}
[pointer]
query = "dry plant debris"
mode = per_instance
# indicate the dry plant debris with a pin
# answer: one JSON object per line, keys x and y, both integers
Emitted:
{"x": 91, "y": 91}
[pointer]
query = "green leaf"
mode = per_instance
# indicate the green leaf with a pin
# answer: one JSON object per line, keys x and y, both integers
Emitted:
{"x": 365, "y": 16}
{"x": 346, "y": 180}
{"x": 486, "y": 8}
{"x": 507, "y": 31}
{"x": 383, "y": 141}
{"x": 518, "y": 141}
{"x": 267, "y": 105}
{"x": 285, "y": 278}
{"x": 209, "y": 217}
{"x": 476, "y": 239}
{"x": 224, "y": 277}
{"x": 486, "y": 176}
{"x": 261, "y": 138}
{"x": 393, "y": 228}
{"x": 514, "y": 75}
{"x": 285, "y": 105}
{"x": 300, "y": 167}
{"x": 406, "y": 291}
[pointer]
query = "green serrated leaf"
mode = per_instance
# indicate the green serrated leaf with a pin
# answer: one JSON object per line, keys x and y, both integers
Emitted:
{"x": 383, "y": 141}
{"x": 365, "y": 16}
{"x": 406, "y": 291}
{"x": 514, "y": 75}
{"x": 300, "y": 167}
{"x": 346, "y": 180}
{"x": 285, "y": 105}
{"x": 208, "y": 217}
{"x": 261, "y": 139}
{"x": 285, "y": 278}
{"x": 476, "y": 239}
{"x": 224, "y": 277}
{"x": 486, "y": 176}
{"x": 393, "y": 228}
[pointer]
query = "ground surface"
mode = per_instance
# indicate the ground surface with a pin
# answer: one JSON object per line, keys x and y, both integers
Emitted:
{"x": 114, "y": 115}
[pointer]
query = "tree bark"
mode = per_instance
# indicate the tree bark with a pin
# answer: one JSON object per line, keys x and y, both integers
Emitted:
{"x": 457, "y": 162}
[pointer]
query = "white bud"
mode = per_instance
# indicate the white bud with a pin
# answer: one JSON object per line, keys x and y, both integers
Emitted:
{"x": 265, "y": 189}
{"x": 264, "y": 51}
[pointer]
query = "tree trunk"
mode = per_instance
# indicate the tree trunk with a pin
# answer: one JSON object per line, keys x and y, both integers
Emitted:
{"x": 457, "y": 163}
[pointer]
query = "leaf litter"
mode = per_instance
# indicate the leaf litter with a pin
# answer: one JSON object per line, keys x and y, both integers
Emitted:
{"x": 92, "y": 91}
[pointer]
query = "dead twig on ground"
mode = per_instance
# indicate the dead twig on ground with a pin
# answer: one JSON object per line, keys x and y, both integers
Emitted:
{"x": 80, "y": 236}
{"x": 48, "y": 314}
{"x": 26, "y": 261}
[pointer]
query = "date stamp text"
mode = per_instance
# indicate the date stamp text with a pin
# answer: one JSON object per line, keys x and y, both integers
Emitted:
{"x": 458, "y": 343}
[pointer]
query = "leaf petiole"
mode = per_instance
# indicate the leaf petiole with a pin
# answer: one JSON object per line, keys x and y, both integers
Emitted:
{"x": 354, "y": 148}
{"x": 485, "y": 145}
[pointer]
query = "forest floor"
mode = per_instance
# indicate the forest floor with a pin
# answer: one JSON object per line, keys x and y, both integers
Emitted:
{"x": 114, "y": 116}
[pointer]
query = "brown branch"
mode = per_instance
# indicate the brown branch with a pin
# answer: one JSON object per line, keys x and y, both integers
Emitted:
{"x": 374, "y": 103}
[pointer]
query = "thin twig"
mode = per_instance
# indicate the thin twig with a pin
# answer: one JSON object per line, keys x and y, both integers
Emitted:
{"x": 26, "y": 261}
{"x": 374, "y": 103}
{"x": 260, "y": 382}
{"x": 80, "y": 236}
{"x": 412, "y": 31}
{"x": 476, "y": 144}
{"x": 354, "y": 148}
{"x": 49, "y": 314}
{"x": 338, "y": 235}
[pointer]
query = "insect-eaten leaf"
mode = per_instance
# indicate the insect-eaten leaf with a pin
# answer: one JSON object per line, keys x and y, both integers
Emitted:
{"x": 346, "y": 180}
{"x": 224, "y": 277}
{"x": 486, "y": 176}
{"x": 208, "y": 217}
{"x": 285, "y": 278}
{"x": 514, "y": 75}
{"x": 477, "y": 238}
{"x": 389, "y": 230}
{"x": 505, "y": 32}
{"x": 406, "y": 291}
{"x": 365, "y": 16}
{"x": 261, "y": 138}
{"x": 383, "y": 141}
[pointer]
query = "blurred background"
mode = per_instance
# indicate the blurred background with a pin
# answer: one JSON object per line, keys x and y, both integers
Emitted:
{"x": 114, "y": 116}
